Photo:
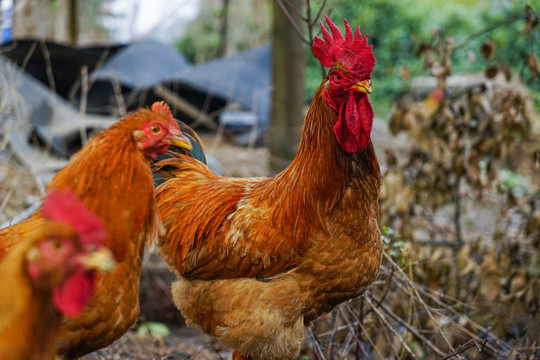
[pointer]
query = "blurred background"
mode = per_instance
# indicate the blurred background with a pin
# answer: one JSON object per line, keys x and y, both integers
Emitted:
{"x": 456, "y": 93}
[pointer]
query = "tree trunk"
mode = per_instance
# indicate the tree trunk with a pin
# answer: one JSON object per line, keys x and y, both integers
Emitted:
{"x": 288, "y": 95}
{"x": 73, "y": 21}
{"x": 223, "y": 29}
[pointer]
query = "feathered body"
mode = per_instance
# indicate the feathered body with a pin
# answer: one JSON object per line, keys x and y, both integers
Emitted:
{"x": 113, "y": 178}
{"x": 258, "y": 258}
{"x": 28, "y": 320}
{"x": 41, "y": 280}
{"x": 111, "y": 175}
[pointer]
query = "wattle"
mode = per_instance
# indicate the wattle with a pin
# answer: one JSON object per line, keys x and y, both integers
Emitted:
{"x": 355, "y": 119}
{"x": 72, "y": 295}
{"x": 157, "y": 150}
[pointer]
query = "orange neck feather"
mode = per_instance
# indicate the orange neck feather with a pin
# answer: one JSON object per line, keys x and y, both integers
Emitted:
{"x": 112, "y": 177}
{"x": 313, "y": 184}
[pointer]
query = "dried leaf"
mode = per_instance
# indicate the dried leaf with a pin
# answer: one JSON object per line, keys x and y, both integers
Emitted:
{"x": 532, "y": 19}
{"x": 517, "y": 284}
{"x": 404, "y": 73}
{"x": 490, "y": 278}
{"x": 488, "y": 49}
{"x": 491, "y": 71}
{"x": 420, "y": 49}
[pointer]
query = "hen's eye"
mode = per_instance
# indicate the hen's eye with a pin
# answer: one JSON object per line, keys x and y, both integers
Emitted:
{"x": 55, "y": 245}
{"x": 155, "y": 129}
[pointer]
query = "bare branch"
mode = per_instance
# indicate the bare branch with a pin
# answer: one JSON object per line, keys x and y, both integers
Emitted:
{"x": 505, "y": 22}
{"x": 315, "y": 19}
{"x": 412, "y": 329}
{"x": 381, "y": 316}
{"x": 296, "y": 11}
{"x": 293, "y": 23}
{"x": 48, "y": 64}
{"x": 464, "y": 347}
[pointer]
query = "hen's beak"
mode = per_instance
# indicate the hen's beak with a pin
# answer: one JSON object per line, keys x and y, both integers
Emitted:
{"x": 99, "y": 260}
{"x": 181, "y": 140}
{"x": 363, "y": 86}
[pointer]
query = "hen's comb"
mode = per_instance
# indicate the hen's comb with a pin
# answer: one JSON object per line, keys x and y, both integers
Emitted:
{"x": 352, "y": 51}
{"x": 64, "y": 206}
{"x": 161, "y": 108}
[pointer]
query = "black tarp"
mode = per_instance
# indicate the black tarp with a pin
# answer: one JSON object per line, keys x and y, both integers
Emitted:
{"x": 56, "y": 65}
{"x": 124, "y": 77}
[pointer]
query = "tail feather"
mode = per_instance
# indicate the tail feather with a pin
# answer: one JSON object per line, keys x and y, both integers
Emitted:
{"x": 164, "y": 172}
{"x": 172, "y": 164}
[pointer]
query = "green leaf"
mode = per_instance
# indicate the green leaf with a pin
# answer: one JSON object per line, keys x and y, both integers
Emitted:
{"x": 153, "y": 328}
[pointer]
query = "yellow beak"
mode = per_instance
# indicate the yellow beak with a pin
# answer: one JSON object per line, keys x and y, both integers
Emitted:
{"x": 363, "y": 86}
{"x": 181, "y": 140}
{"x": 99, "y": 260}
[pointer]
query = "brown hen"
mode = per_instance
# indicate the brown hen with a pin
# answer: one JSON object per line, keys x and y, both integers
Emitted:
{"x": 111, "y": 175}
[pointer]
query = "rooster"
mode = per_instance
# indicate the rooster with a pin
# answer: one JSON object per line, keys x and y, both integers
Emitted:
{"x": 256, "y": 259}
{"x": 111, "y": 175}
{"x": 50, "y": 273}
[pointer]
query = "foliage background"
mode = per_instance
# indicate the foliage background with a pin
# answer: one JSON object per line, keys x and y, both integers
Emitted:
{"x": 395, "y": 29}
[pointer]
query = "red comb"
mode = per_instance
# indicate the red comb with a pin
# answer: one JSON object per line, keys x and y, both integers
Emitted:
{"x": 63, "y": 205}
{"x": 161, "y": 108}
{"x": 352, "y": 51}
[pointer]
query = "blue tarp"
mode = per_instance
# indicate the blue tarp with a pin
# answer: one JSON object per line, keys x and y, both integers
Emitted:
{"x": 244, "y": 78}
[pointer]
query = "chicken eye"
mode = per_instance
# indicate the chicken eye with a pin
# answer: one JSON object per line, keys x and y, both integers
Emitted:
{"x": 55, "y": 244}
{"x": 155, "y": 129}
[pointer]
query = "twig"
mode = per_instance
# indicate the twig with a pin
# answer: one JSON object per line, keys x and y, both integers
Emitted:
{"x": 48, "y": 64}
{"x": 386, "y": 290}
{"x": 28, "y": 55}
{"x": 121, "y": 105}
{"x": 361, "y": 318}
{"x": 444, "y": 242}
{"x": 381, "y": 316}
{"x": 412, "y": 330}
{"x": 362, "y": 328}
{"x": 316, "y": 345}
{"x": 464, "y": 347}
{"x": 332, "y": 348}
{"x": 318, "y": 15}
{"x": 7, "y": 197}
{"x": 470, "y": 322}
{"x": 457, "y": 213}
{"x": 428, "y": 310}
{"x": 490, "y": 28}
{"x": 82, "y": 104}
{"x": 293, "y": 22}
{"x": 9, "y": 48}
{"x": 296, "y": 11}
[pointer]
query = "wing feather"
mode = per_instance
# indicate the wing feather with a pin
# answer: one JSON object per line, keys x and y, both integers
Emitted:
{"x": 218, "y": 227}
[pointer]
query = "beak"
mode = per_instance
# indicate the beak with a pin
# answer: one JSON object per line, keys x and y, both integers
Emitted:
{"x": 99, "y": 260}
{"x": 33, "y": 254}
{"x": 363, "y": 86}
{"x": 181, "y": 140}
